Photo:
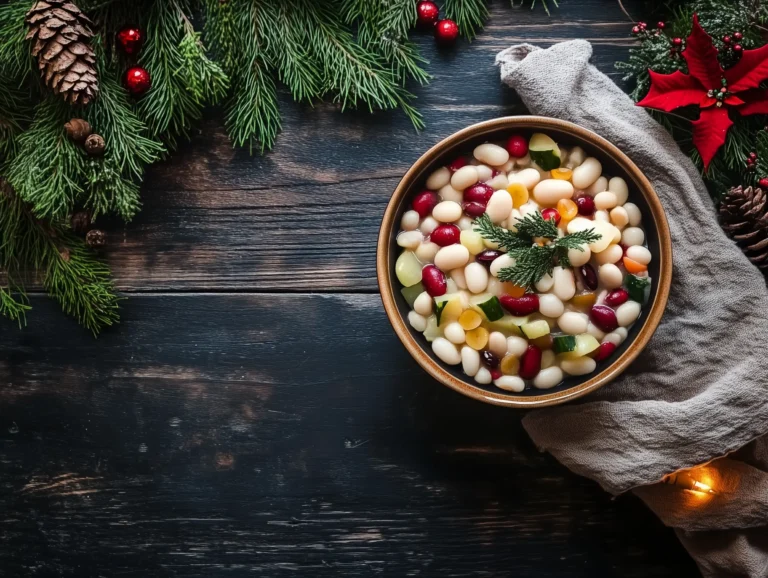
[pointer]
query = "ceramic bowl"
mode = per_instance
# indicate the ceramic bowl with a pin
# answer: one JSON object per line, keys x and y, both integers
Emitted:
{"x": 615, "y": 163}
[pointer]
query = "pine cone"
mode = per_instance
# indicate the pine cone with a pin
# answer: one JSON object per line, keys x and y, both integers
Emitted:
{"x": 96, "y": 238}
{"x": 61, "y": 33}
{"x": 78, "y": 129}
{"x": 744, "y": 217}
{"x": 80, "y": 222}
{"x": 94, "y": 145}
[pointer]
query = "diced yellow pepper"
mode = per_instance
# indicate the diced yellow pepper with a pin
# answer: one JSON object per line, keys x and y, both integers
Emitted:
{"x": 477, "y": 338}
{"x": 561, "y": 174}
{"x": 519, "y": 194}
{"x": 567, "y": 209}
{"x": 510, "y": 365}
{"x": 470, "y": 319}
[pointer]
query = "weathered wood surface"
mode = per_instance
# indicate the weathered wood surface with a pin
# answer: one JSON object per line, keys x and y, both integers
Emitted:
{"x": 236, "y": 425}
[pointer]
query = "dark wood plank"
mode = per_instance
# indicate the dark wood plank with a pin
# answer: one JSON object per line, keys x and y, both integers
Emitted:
{"x": 262, "y": 434}
{"x": 306, "y": 215}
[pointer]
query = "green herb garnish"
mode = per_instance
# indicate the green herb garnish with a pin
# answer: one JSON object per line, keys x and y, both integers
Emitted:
{"x": 533, "y": 261}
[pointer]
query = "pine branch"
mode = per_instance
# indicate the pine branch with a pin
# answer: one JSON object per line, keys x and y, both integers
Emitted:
{"x": 15, "y": 58}
{"x": 534, "y": 225}
{"x": 506, "y": 240}
{"x": 530, "y": 265}
{"x": 470, "y": 15}
{"x": 13, "y": 308}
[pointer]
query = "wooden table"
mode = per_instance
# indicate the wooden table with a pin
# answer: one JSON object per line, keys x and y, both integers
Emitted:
{"x": 255, "y": 415}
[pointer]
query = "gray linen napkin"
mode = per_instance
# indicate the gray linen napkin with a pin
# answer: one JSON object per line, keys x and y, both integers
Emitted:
{"x": 700, "y": 389}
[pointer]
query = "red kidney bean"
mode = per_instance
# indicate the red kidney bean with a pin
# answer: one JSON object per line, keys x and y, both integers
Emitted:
{"x": 530, "y": 362}
{"x": 457, "y": 163}
{"x": 489, "y": 359}
{"x": 474, "y": 209}
{"x": 589, "y": 276}
{"x": 551, "y": 214}
{"x": 424, "y": 202}
{"x": 605, "y": 350}
{"x": 478, "y": 193}
{"x": 495, "y": 374}
{"x": 617, "y": 297}
{"x": 445, "y": 235}
{"x": 519, "y": 306}
{"x": 604, "y": 318}
{"x": 517, "y": 146}
{"x": 488, "y": 256}
{"x": 434, "y": 281}
{"x": 586, "y": 205}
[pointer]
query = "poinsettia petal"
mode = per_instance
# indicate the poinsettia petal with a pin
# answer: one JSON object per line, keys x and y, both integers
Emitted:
{"x": 755, "y": 102}
{"x": 709, "y": 132}
{"x": 749, "y": 71}
{"x": 671, "y": 91}
{"x": 707, "y": 101}
{"x": 701, "y": 55}
{"x": 733, "y": 100}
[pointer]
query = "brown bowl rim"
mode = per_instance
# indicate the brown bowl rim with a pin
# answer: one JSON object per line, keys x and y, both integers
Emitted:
{"x": 610, "y": 372}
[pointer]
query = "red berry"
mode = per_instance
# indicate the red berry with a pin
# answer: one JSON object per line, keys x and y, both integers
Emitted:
{"x": 586, "y": 205}
{"x": 489, "y": 359}
{"x": 457, "y": 163}
{"x": 605, "y": 350}
{"x": 130, "y": 40}
{"x": 474, "y": 210}
{"x": 445, "y": 235}
{"x": 530, "y": 362}
{"x": 589, "y": 276}
{"x": 478, "y": 193}
{"x": 737, "y": 48}
{"x": 635, "y": 30}
{"x": 738, "y": 35}
{"x": 424, "y": 202}
{"x": 763, "y": 183}
{"x": 446, "y": 32}
{"x": 427, "y": 13}
{"x": 488, "y": 256}
{"x": 137, "y": 81}
{"x": 517, "y": 146}
{"x": 603, "y": 317}
{"x": 617, "y": 297}
{"x": 520, "y": 306}
{"x": 677, "y": 42}
{"x": 753, "y": 155}
{"x": 495, "y": 374}
{"x": 642, "y": 25}
{"x": 551, "y": 214}
{"x": 434, "y": 281}
{"x": 727, "y": 39}
{"x": 661, "y": 25}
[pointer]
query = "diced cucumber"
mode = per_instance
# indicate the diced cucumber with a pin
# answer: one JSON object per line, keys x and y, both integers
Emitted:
{"x": 410, "y": 293}
{"x": 564, "y": 343}
{"x": 535, "y": 329}
{"x": 448, "y": 307}
{"x": 487, "y": 304}
{"x": 408, "y": 269}
{"x": 639, "y": 288}
{"x": 585, "y": 344}
{"x": 544, "y": 151}
{"x": 509, "y": 324}
{"x": 432, "y": 331}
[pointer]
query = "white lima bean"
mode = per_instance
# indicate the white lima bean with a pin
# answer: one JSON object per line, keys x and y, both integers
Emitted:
{"x": 622, "y": 333}
{"x": 491, "y": 154}
{"x": 484, "y": 173}
{"x": 410, "y": 239}
{"x": 580, "y": 366}
{"x": 448, "y": 193}
{"x": 428, "y": 225}
{"x": 501, "y": 262}
{"x": 612, "y": 254}
{"x": 418, "y": 322}
{"x": 465, "y": 177}
{"x": 510, "y": 383}
{"x": 618, "y": 187}
{"x": 473, "y": 241}
{"x": 640, "y": 254}
{"x": 616, "y": 234}
{"x": 547, "y": 358}
{"x": 446, "y": 351}
{"x": 476, "y": 276}
{"x": 633, "y": 236}
{"x": 529, "y": 178}
{"x": 447, "y": 211}
{"x": 598, "y": 186}
{"x": 454, "y": 333}
{"x": 602, "y": 215}
{"x": 497, "y": 344}
{"x": 450, "y": 286}
{"x": 500, "y": 206}
{"x": 439, "y": 179}
{"x": 528, "y": 208}
{"x": 550, "y": 191}
{"x": 548, "y": 378}
{"x": 565, "y": 285}
{"x": 423, "y": 304}
{"x": 494, "y": 286}
{"x": 576, "y": 157}
{"x": 634, "y": 214}
{"x": 470, "y": 361}
{"x": 452, "y": 256}
{"x": 573, "y": 323}
{"x": 523, "y": 161}
{"x": 550, "y": 305}
{"x": 605, "y": 201}
{"x": 595, "y": 331}
{"x": 508, "y": 166}
{"x": 410, "y": 221}
{"x": 465, "y": 223}
{"x": 545, "y": 283}
{"x": 579, "y": 257}
{"x": 612, "y": 337}
{"x": 610, "y": 276}
{"x": 498, "y": 182}
{"x": 626, "y": 313}
{"x": 426, "y": 252}
{"x": 619, "y": 217}
{"x": 457, "y": 275}
{"x": 516, "y": 345}
{"x": 483, "y": 376}
{"x": 586, "y": 173}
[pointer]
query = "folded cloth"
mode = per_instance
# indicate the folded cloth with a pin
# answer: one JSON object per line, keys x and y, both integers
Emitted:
{"x": 699, "y": 391}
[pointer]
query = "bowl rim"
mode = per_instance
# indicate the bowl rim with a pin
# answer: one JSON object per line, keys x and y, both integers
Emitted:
{"x": 501, "y": 398}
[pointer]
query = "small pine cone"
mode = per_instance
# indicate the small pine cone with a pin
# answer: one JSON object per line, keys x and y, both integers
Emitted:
{"x": 78, "y": 130}
{"x": 64, "y": 56}
{"x": 744, "y": 216}
{"x": 96, "y": 238}
{"x": 94, "y": 145}
{"x": 80, "y": 222}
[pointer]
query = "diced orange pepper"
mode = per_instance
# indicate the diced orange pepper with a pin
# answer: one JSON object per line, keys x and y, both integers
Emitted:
{"x": 567, "y": 209}
{"x": 519, "y": 194}
{"x": 633, "y": 266}
{"x": 584, "y": 300}
{"x": 510, "y": 365}
{"x": 543, "y": 342}
{"x": 513, "y": 290}
{"x": 561, "y": 174}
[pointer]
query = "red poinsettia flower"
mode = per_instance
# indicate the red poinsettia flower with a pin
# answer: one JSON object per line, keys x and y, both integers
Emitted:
{"x": 714, "y": 90}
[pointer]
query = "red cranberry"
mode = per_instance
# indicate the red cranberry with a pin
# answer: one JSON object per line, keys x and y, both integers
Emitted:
{"x": 457, "y": 163}
{"x": 489, "y": 359}
{"x": 488, "y": 256}
{"x": 495, "y": 373}
{"x": 495, "y": 173}
{"x": 617, "y": 297}
{"x": 738, "y": 35}
{"x": 551, "y": 214}
{"x": 478, "y": 193}
{"x": 424, "y": 202}
{"x": 604, "y": 318}
{"x": 445, "y": 235}
{"x": 605, "y": 350}
{"x": 434, "y": 281}
{"x": 517, "y": 146}
{"x": 586, "y": 205}
{"x": 474, "y": 209}
{"x": 520, "y": 306}
{"x": 589, "y": 276}
{"x": 530, "y": 362}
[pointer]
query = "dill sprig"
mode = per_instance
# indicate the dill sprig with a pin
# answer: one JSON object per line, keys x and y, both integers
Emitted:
{"x": 532, "y": 260}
